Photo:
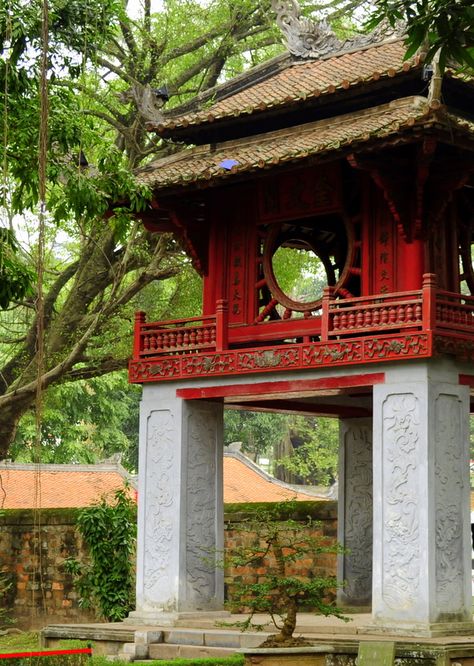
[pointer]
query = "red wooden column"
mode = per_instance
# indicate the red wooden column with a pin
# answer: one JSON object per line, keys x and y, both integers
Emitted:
{"x": 413, "y": 265}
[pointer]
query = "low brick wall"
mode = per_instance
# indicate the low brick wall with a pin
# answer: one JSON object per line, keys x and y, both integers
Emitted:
{"x": 323, "y": 517}
{"x": 42, "y": 592}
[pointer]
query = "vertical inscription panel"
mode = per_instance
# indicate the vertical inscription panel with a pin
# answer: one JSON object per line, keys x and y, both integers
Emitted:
{"x": 401, "y": 502}
{"x": 161, "y": 521}
{"x": 358, "y": 492}
{"x": 201, "y": 507}
{"x": 450, "y": 468}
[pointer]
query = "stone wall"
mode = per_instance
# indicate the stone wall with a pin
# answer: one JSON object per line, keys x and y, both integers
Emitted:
{"x": 323, "y": 517}
{"x": 42, "y": 592}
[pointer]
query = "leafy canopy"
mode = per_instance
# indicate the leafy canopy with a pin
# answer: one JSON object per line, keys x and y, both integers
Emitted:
{"x": 444, "y": 26}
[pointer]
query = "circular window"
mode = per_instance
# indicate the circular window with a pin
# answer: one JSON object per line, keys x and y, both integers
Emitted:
{"x": 299, "y": 272}
{"x": 302, "y": 258}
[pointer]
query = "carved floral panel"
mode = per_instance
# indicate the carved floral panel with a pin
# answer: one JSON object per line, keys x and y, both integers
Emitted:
{"x": 160, "y": 502}
{"x": 449, "y": 472}
{"x": 358, "y": 492}
{"x": 201, "y": 505}
{"x": 401, "y": 546}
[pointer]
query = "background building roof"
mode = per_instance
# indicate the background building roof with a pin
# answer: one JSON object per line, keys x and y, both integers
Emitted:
{"x": 24, "y": 486}
{"x": 244, "y": 481}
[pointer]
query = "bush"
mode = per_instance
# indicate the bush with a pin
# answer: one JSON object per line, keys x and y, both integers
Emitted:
{"x": 109, "y": 532}
{"x": 274, "y": 588}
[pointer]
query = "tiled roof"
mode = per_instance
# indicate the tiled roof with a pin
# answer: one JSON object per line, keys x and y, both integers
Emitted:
{"x": 77, "y": 486}
{"x": 59, "y": 486}
{"x": 301, "y": 81}
{"x": 206, "y": 163}
{"x": 245, "y": 482}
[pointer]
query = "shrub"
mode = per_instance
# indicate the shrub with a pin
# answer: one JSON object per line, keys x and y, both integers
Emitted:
{"x": 274, "y": 588}
{"x": 109, "y": 532}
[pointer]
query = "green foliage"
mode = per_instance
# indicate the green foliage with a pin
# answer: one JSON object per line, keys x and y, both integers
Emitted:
{"x": 315, "y": 460}
{"x": 258, "y": 431}
{"x": 276, "y": 590}
{"x": 16, "y": 277}
{"x": 109, "y": 532}
{"x": 300, "y": 273}
{"x": 444, "y": 26}
{"x": 83, "y": 422}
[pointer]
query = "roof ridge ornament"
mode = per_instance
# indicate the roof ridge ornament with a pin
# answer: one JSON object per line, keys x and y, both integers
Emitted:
{"x": 304, "y": 37}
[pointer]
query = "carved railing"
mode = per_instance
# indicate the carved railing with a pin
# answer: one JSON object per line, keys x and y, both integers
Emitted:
{"x": 427, "y": 309}
{"x": 454, "y": 312}
{"x": 195, "y": 334}
{"x": 363, "y": 316}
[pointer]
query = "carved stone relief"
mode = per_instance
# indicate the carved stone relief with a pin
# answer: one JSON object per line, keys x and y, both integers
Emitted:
{"x": 160, "y": 501}
{"x": 449, "y": 473}
{"x": 201, "y": 505}
{"x": 358, "y": 499}
{"x": 401, "y": 547}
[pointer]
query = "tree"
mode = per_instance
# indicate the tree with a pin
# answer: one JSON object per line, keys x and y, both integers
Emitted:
{"x": 315, "y": 458}
{"x": 83, "y": 422}
{"x": 442, "y": 27}
{"x": 92, "y": 288}
{"x": 280, "y": 540}
{"x": 259, "y": 432}
{"x": 102, "y": 69}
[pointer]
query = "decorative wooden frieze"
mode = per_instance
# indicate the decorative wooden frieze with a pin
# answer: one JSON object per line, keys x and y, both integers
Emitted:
{"x": 292, "y": 356}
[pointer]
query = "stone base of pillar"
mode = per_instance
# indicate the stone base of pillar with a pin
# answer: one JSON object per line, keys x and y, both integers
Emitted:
{"x": 158, "y": 618}
{"x": 433, "y": 630}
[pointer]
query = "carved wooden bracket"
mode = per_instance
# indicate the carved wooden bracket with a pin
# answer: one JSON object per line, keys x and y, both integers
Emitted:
{"x": 187, "y": 221}
{"x": 395, "y": 179}
{"x": 417, "y": 188}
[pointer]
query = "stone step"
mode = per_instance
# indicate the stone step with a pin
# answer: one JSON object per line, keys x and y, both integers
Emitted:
{"x": 213, "y": 638}
{"x": 173, "y": 651}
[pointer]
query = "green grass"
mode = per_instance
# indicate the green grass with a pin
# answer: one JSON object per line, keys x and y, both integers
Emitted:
{"x": 16, "y": 642}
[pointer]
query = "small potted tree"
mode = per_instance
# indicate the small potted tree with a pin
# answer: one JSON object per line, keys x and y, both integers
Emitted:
{"x": 265, "y": 579}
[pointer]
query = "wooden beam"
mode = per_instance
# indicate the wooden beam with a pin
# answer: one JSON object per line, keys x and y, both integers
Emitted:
{"x": 303, "y": 408}
{"x": 286, "y": 388}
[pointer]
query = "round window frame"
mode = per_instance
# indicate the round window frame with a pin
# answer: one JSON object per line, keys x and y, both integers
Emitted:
{"x": 273, "y": 242}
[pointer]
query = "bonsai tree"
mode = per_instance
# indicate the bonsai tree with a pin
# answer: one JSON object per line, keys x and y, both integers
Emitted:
{"x": 265, "y": 575}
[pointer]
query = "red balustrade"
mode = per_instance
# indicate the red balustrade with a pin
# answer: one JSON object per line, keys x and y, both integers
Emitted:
{"x": 360, "y": 316}
{"x": 174, "y": 336}
{"x": 426, "y": 310}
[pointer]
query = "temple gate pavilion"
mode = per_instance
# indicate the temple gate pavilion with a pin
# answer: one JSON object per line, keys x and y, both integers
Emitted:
{"x": 348, "y": 153}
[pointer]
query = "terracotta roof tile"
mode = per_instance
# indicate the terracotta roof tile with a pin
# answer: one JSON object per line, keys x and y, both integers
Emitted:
{"x": 302, "y": 81}
{"x": 204, "y": 163}
{"x": 244, "y": 482}
{"x": 58, "y": 488}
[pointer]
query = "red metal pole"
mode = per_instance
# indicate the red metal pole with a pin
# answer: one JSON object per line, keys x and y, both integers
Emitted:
{"x": 140, "y": 318}
{"x": 222, "y": 325}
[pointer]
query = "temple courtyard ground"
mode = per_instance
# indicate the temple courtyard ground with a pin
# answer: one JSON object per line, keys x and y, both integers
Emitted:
{"x": 200, "y": 637}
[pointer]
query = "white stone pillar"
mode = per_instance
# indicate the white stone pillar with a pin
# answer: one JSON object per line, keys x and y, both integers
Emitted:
{"x": 180, "y": 507}
{"x": 354, "y": 518}
{"x": 422, "y": 551}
